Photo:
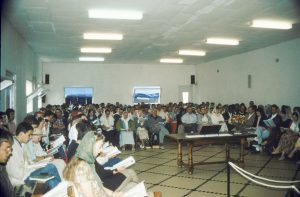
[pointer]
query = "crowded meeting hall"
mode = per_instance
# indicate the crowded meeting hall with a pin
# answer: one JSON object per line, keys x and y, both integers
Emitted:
{"x": 135, "y": 98}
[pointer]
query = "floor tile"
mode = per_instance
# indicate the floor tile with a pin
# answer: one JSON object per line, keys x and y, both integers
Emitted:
{"x": 182, "y": 182}
{"x": 152, "y": 178}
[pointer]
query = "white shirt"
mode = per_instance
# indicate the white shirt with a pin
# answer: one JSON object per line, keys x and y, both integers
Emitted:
{"x": 188, "y": 118}
{"x": 73, "y": 133}
{"x": 108, "y": 122}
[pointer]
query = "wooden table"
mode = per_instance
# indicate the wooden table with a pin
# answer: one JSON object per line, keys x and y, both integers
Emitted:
{"x": 198, "y": 141}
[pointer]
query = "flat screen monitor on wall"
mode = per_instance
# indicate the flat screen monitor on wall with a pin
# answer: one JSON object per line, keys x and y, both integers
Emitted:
{"x": 146, "y": 94}
{"x": 78, "y": 95}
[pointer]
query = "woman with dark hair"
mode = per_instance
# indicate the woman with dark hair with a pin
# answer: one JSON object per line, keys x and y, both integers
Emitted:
{"x": 289, "y": 138}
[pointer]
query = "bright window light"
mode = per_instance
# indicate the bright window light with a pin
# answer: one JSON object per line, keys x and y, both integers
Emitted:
{"x": 91, "y": 59}
{"x": 191, "y": 52}
{"x": 115, "y": 14}
{"x": 171, "y": 60}
{"x": 185, "y": 97}
{"x": 102, "y": 36}
{"x": 271, "y": 24}
{"x": 95, "y": 50}
{"x": 222, "y": 41}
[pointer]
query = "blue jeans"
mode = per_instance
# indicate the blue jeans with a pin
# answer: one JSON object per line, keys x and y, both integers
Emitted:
{"x": 262, "y": 133}
{"x": 49, "y": 169}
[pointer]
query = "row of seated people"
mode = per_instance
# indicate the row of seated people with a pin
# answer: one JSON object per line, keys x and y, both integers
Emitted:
{"x": 20, "y": 154}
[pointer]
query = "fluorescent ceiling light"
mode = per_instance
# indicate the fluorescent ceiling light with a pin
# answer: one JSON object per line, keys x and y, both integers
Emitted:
{"x": 102, "y": 36}
{"x": 171, "y": 60}
{"x": 271, "y": 24}
{"x": 191, "y": 52}
{"x": 116, "y": 14}
{"x": 222, "y": 41}
{"x": 95, "y": 50}
{"x": 91, "y": 59}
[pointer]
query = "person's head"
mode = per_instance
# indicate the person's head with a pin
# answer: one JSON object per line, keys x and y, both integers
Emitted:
{"x": 3, "y": 118}
{"x": 260, "y": 112}
{"x": 107, "y": 112}
{"x": 10, "y": 114}
{"x": 36, "y": 135}
{"x": 58, "y": 113}
{"x": 295, "y": 117}
{"x": 189, "y": 110}
{"x": 6, "y": 142}
{"x": 274, "y": 109}
{"x": 91, "y": 113}
{"x": 125, "y": 115}
{"x": 24, "y": 132}
{"x": 251, "y": 109}
{"x": 31, "y": 120}
{"x": 154, "y": 112}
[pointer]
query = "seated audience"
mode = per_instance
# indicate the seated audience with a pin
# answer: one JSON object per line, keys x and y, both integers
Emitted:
{"x": 272, "y": 141}
{"x": 189, "y": 120}
{"x": 126, "y": 127}
{"x": 251, "y": 116}
{"x": 143, "y": 135}
{"x": 202, "y": 117}
{"x": 18, "y": 167}
{"x": 82, "y": 173}
{"x": 6, "y": 142}
{"x": 155, "y": 125}
{"x": 217, "y": 118}
{"x": 108, "y": 129}
{"x": 35, "y": 152}
{"x": 10, "y": 123}
{"x": 261, "y": 129}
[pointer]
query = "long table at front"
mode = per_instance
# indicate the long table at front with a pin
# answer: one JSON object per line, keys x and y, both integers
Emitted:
{"x": 198, "y": 141}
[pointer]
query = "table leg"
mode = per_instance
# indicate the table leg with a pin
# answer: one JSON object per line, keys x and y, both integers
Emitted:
{"x": 190, "y": 158}
{"x": 243, "y": 141}
{"x": 179, "y": 158}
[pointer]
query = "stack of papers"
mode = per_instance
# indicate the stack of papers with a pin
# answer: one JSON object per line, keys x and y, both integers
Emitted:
{"x": 129, "y": 161}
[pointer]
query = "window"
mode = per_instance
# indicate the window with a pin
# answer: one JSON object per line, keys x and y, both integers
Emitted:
{"x": 146, "y": 94}
{"x": 29, "y": 90}
{"x": 185, "y": 97}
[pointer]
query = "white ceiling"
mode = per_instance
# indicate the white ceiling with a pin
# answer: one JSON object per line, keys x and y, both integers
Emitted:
{"x": 54, "y": 28}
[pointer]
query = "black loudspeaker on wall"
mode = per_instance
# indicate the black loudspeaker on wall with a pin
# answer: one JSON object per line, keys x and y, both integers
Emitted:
{"x": 249, "y": 81}
{"x": 47, "y": 79}
{"x": 193, "y": 79}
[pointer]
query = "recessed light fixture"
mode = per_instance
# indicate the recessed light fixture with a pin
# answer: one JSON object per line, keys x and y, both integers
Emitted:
{"x": 222, "y": 41}
{"x": 95, "y": 50}
{"x": 91, "y": 59}
{"x": 102, "y": 36}
{"x": 271, "y": 24}
{"x": 115, "y": 14}
{"x": 191, "y": 52}
{"x": 171, "y": 60}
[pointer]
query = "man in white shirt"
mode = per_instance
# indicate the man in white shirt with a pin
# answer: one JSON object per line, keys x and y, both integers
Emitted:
{"x": 18, "y": 167}
{"x": 189, "y": 120}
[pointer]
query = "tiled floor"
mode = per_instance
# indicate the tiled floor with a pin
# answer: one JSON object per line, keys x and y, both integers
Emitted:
{"x": 159, "y": 170}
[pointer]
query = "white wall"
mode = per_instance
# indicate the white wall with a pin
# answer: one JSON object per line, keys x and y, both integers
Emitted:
{"x": 272, "y": 82}
{"x": 17, "y": 57}
{"x": 114, "y": 82}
